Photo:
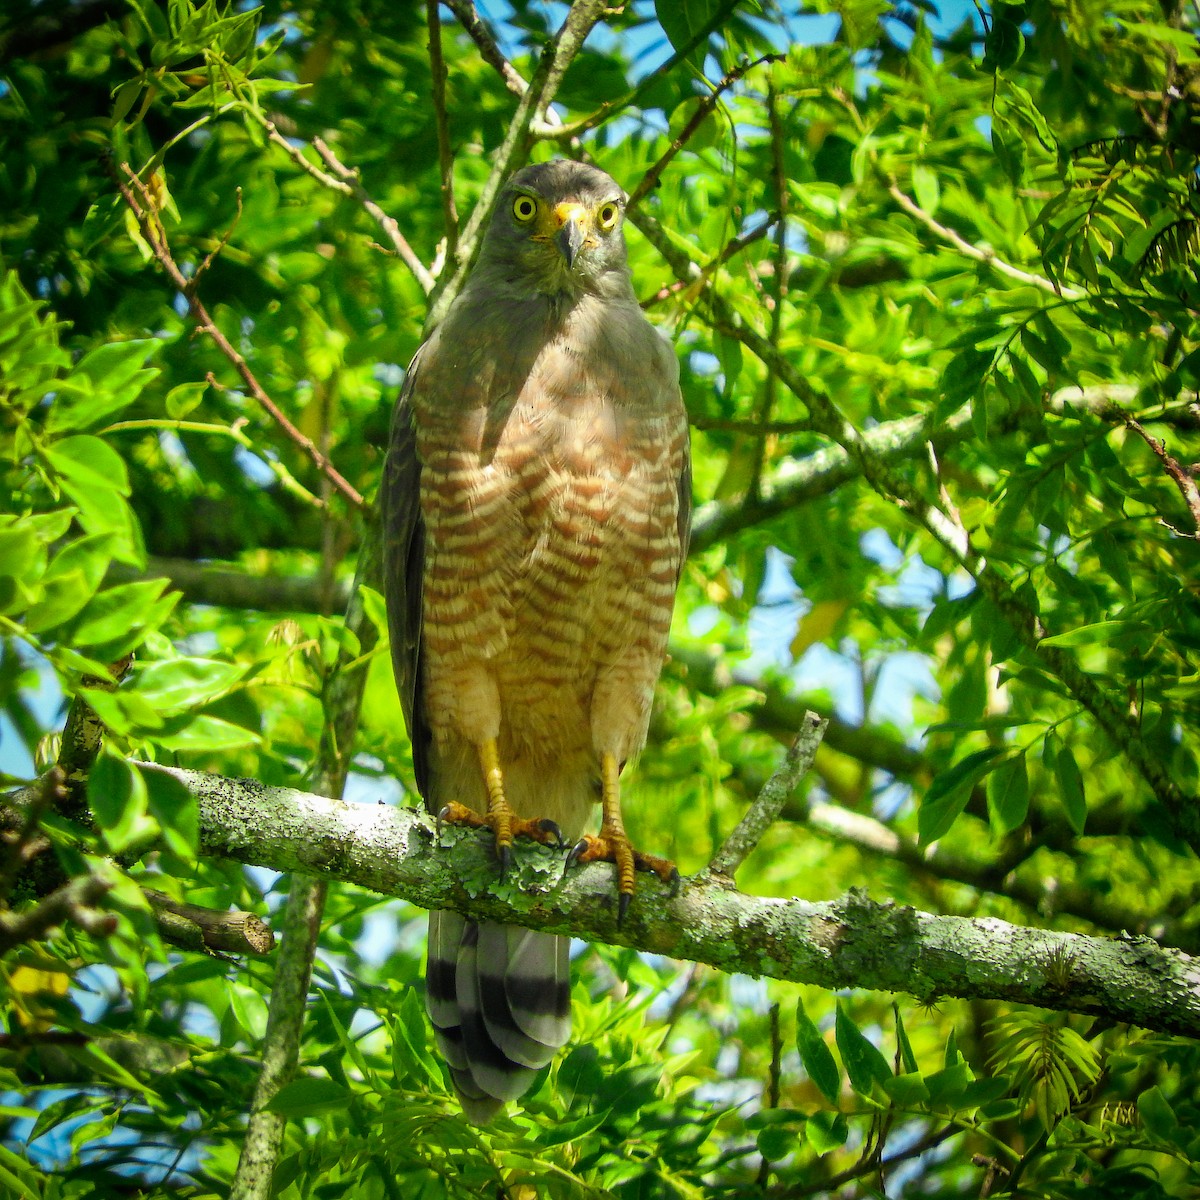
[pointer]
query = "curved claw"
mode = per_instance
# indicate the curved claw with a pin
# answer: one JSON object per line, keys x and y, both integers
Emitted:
{"x": 551, "y": 829}
{"x": 623, "y": 900}
{"x": 504, "y": 854}
{"x": 575, "y": 852}
{"x": 442, "y": 815}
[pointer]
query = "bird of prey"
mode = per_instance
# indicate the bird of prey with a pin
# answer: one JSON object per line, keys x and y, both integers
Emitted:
{"x": 536, "y": 502}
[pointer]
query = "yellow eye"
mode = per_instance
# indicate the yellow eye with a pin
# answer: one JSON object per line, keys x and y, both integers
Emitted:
{"x": 524, "y": 208}
{"x": 607, "y": 214}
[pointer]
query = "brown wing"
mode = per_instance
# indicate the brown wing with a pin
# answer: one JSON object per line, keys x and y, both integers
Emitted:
{"x": 404, "y": 570}
{"x": 684, "y": 488}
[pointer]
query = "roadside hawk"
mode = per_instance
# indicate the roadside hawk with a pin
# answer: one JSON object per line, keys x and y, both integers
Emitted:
{"x": 536, "y": 502}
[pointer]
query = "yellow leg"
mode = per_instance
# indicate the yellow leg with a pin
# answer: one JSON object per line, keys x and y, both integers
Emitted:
{"x": 613, "y": 845}
{"x": 613, "y": 828}
{"x": 500, "y": 818}
{"x": 498, "y": 810}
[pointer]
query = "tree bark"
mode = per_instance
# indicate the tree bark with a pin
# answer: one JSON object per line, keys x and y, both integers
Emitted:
{"x": 851, "y": 942}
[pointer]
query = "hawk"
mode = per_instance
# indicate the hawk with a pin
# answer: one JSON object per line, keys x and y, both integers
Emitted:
{"x": 536, "y": 501}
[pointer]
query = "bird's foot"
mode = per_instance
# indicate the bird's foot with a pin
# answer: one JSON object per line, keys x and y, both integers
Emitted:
{"x": 505, "y": 825}
{"x": 613, "y": 845}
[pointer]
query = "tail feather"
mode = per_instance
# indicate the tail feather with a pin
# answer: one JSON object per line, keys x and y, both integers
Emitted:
{"x": 499, "y": 1000}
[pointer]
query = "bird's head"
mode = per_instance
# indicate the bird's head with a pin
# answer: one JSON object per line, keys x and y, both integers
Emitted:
{"x": 557, "y": 229}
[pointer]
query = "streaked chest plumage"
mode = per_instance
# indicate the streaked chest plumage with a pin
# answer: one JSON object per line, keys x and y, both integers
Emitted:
{"x": 549, "y": 494}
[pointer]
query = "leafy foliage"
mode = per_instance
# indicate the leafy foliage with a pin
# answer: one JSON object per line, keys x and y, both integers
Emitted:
{"x": 941, "y": 362}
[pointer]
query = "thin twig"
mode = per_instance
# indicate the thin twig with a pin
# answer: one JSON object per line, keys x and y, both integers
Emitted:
{"x": 1182, "y": 479}
{"x": 649, "y": 181}
{"x": 437, "y": 69}
{"x": 865, "y": 1166}
{"x": 732, "y": 247}
{"x": 346, "y": 182}
{"x": 770, "y": 1097}
{"x": 579, "y": 22}
{"x": 780, "y": 281}
{"x": 489, "y": 51}
{"x": 567, "y": 132}
{"x": 988, "y": 257}
{"x": 75, "y": 902}
{"x": 769, "y": 802}
{"x": 151, "y": 230}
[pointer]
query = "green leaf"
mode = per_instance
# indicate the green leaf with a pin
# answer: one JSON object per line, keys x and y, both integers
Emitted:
{"x": 926, "y": 187}
{"x": 777, "y": 1141}
{"x": 1003, "y": 46}
{"x": 864, "y": 1063}
{"x": 175, "y": 684}
{"x": 1070, "y": 788}
{"x": 826, "y": 1131}
{"x": 580, "y": 1074}
{"x": 106, "y": 380}
{"x": 948, "y": 1084}
{"x": 816, "y": 1056}
{"x": 71, "y": 581}
{"x": 681, "y": 20}
{"x": 908, "y": 1060}
{"x": 1157, "y": 1114}
{"x": 117, "y": 612}
{"x": 23, "y": 559}
{"x": 949, "y": 792}
{"x": 411, "y": 1060}
{"x": 183, "y": 399}
{"x": 249, "y": 1009}
{"x": 1100, "y": 633}
{"x": 908, "y": 1090}
{"x": 124, "y": 100}
{"x": 310, "y": 1098}
{"x": 117, "y": 798}
{"x": 122, "y": 712}
{"x": 84, "y": 461}
{"x": 1008, "y": 794}
{"x": 202, "y": 733}
{"x": 176, "y": 811}
{"x": 63, "y": 1109}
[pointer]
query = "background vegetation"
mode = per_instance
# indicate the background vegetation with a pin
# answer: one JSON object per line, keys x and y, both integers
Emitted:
{"x": 932, "y": 278}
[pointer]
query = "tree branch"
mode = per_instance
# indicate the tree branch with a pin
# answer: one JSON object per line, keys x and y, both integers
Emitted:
{"x": 606, "y": 112}
{"x": 341, "y": 179}
{"x": 437, "y": 69}
{"x": 479, "y": 33}
{"x": 75, "y": 901}
{"x": 649, "y": 181}
{"x": 987, "y": 257}
{"x": 852, "y": 942}
{"x": 1183, "y": 479}
{"x": 143, "y": 208}
{"x": 769, "y": 802}
{"x": 208, "y": 930}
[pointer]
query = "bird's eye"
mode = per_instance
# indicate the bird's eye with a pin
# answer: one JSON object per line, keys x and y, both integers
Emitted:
{"x": 607, "y": 214}
{"x": 524, "y": 209}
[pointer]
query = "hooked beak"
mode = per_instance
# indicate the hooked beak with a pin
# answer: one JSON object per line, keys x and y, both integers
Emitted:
{"x": 571, "y": 220}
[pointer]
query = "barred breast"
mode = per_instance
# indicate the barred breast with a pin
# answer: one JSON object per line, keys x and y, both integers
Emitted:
{"x": 553, "y": 549}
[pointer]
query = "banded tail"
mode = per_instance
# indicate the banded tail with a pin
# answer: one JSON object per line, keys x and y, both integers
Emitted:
{"x": 499, "y": 998}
